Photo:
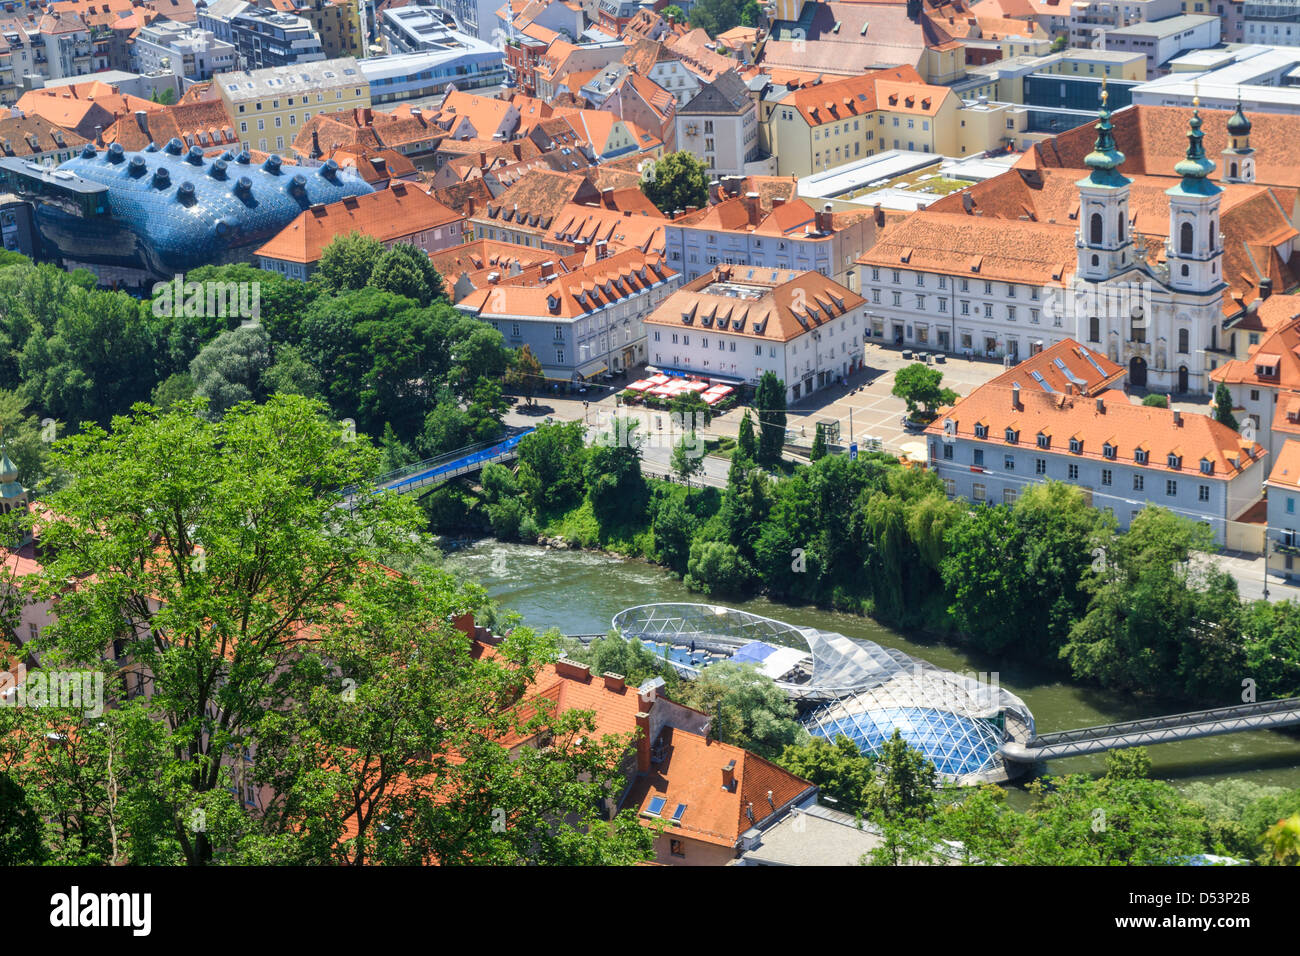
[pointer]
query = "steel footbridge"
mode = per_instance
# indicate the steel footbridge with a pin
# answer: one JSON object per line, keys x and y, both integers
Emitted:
{"x": 1266, "y": 715}
{"x": 428, "y": 474}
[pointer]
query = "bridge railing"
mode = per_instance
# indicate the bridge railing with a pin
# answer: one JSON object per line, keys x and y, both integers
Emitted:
{"x": 1168, "y": 722}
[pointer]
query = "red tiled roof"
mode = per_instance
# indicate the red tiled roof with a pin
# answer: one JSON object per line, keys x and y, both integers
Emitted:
{"x": 388, "y": 214}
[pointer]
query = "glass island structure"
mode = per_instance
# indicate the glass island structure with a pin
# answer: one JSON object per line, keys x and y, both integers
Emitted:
{"x": 847, "y": 686}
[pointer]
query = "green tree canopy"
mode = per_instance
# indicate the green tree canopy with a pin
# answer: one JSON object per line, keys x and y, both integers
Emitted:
{"x": 675, "y": 182}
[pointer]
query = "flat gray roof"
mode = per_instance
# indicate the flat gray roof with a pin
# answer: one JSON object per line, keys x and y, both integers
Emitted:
{"x": 1163, "y": 28}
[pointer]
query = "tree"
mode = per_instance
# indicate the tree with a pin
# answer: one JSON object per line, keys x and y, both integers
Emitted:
{"x": 525, "y": 372}
{"x": 769, "y": 403}
{"x": 902, "y": 786}
{"x": 177, "y": 387}
{"x": 838, "y": 768}
{"x": 673, "y": 14}
{"x": 746, "y": 446}
{"x": 750, "y": 13}
{"x": 1155, "y": 620}
{"x": 284, "y": 631}
{"x": 748, "y": 709}
{"x": 348, "y": 262}
{"x": 405, "y": 270}
{"x": 675, "y": 182}
{"x": 673, "y": 527}
{"x": 166, "y": 97}
{"x": 818, "y": 451}
{"x": 717, "y": 567}
{"x": 1155, "y": 401}
{"x": 715, "y": 16}
{"x": 918, "y": 385}
{"x": 615, "y": 486}
{"x": 292, "y": 374}
{"x": 1223, "y": 407}
{"x": 21, "y": 439}
{"x": 1283, "y": 841}
{"x": 692, "y": 409}
{"x": 229, "y": 369}
{"x": 688, "y": 458}
{"x": 551, "y": 466}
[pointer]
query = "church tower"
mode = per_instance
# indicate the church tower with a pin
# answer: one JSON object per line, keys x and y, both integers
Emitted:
{"x": 13, "y": 496}
{"x": 1105, "y": 246}
{"x": 1195, "y": 251}
{"x": 1239, "y": 157}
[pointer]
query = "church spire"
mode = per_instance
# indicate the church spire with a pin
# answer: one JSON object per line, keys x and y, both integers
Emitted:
{"x": 1195, "y": 166}
{"x": 1105, "y": 158}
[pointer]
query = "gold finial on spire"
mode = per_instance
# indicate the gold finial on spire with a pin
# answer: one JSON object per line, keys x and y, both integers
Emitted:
{"x": 1104, "y": 94}
{"x": 1196, "y": 94}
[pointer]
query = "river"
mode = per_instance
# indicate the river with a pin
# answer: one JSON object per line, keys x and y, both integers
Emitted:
{"x": 580, "y": 591}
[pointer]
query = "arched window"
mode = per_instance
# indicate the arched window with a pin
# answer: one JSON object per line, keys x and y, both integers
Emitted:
{"x": 1182, "y": 341}
{"x": 1119, "y": 225}
{"x": 1094, "y": 229}
{"x": 1185, "y": 238}
{"x": 1211, "y": 237}
{"x": 1232, "y": 170}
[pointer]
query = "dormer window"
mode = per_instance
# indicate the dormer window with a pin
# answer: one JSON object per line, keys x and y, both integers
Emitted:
{"x": 1013, "y": 436}
{"x": 1207, "y": 466}
{"x": 1175, "y": 461}
{"x": 981, "y": 431}
{"x": 1076, "y": 445}
{"x": 1108, "y": 451}
{"x": 1044, "y": 440}
{"x": 1141, "y": 455}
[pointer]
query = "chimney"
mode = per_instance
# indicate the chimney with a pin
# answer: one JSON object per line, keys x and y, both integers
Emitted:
{"x": 967, "y": 202}
{"x": 643, "y": 742}
{"x": 494, "y": 278}
{"x": 879, "y": 212}
{"x": 1265, "y": 288}
{"x": 99, "y": 136}
{"x": 824, "y": 219}
{"x": 142, "y": 120}
{"x": 1101, "y": 405}
{"x": 565, "y": 667}
{"x": 1015, "y": 395}
{"x": 689, "y": 209}
{"x": 482, "y": 159}
{"x": 753, "y": 208}
{"x": 1069, "y": 388}
{"x": 418, "y": 114}
{"x": 715, "y": 192}
{"x": 1178, "y": 418}
{"x": 607, "y": 198}
{"x": 729, "y": 776}
{"x": 602, "y": 249}
{"x": 614, "y": 682}
{"x": 548, "y": 269}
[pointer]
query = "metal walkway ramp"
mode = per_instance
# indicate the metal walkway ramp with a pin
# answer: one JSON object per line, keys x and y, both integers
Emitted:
{"x": 1266, "y": 715}
{"x": 431, "y": 472}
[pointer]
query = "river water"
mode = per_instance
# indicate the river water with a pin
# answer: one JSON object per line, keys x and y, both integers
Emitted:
{"x": 580, "y": 591}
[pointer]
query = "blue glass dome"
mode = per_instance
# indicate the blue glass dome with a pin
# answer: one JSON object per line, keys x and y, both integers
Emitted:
{"x": 957, "y": 745}
{"x": 187, "y": 209}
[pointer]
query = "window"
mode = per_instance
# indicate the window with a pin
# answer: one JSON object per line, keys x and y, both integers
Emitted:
{"x": 656, "y": 806}
{"x": 947, "y": 452}
{"x": 559, "y": 356}
{"x": 1203, "y": 493}
{"x": 949, "y": 487}
{"x": 1094, "y": 229}
{"x": 1139, "y": 482}
{"x": 978, "y": 493}
{"x": 1094, "y": 329}
{"x": 981, "y": 430}
{"x": 1108, "y": 451}
{"x": 1141, "y": 456}
{"x": 978, "y": 459}
{"x": 1171, "y": 487}
{"x": 1183, "y": 341}
{"x": 1290, "y": 506}
{"x": 1076, "y": 445}
{"x": 1013, "y": 436}
{"x": 1185, "y": 239}
{"x": 677, "y": 848}
{"x": 1073, "y": 472}
{"x": 1008, "y": 496}
{"x": 1009, "y": 462}
{"x": 1044, "y": 440}
{"x": 1040, "y": 466}
{"x": 1106, "y": 476}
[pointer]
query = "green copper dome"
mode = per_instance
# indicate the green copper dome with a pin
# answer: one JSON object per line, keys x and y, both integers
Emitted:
{"x": 1196, "y": 165}
{"x": 1105, "y": 158}
{"x": 1238, "y": 124}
